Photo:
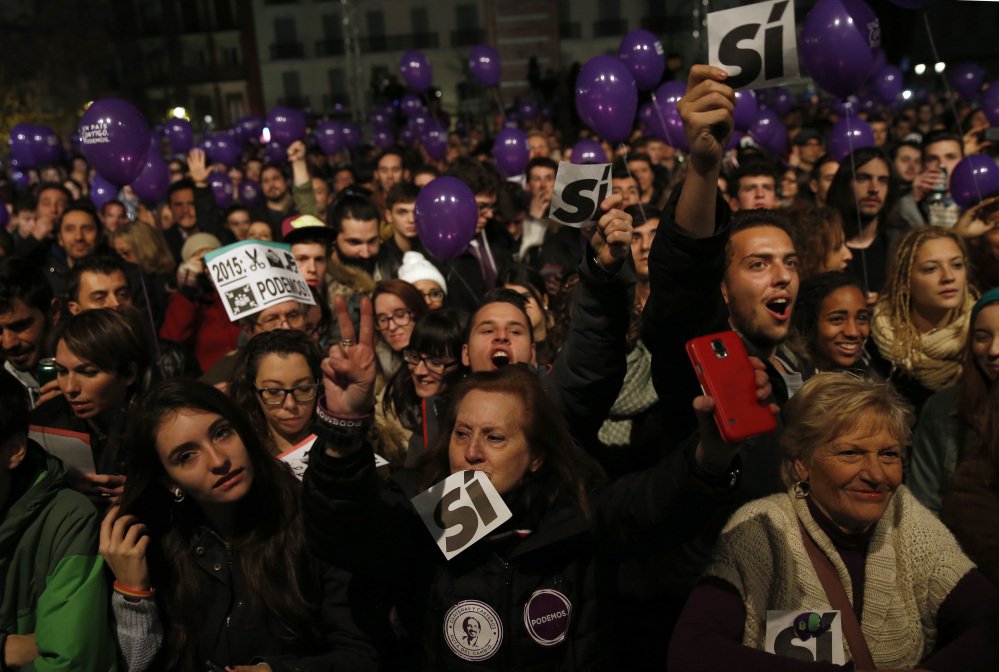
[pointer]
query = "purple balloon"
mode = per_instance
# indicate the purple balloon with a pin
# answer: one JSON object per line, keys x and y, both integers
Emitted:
{"x": 967, "y": 79}
{"x": 664, "y": 122}
{"x": 407, "y": 135}
{"x": 588, "y": 151}
{"x": 446, "y": 217}
{"x": 351, "y": 135}
{"x": 434, "y": 140}
{"x": 411, "y": 106}
{"x": 746, "y": 109}
{"x": 769, "y": 133}
{"x": 274, "y": 152}
{"x": 780, "y": 101}
{"x": 511, "y": 152}
{"x": 47, "y": 148}
{"x": 152, "y": 183}
{"x": 880, "y": 60}
{"x": 887, "y": 83}
{"x": 383, "y": 138}
{"x": 249, "y": 193}
{"x": 642, "y": 52}
{"x": 329, "y": 135}
{"x": 837, "y": 43}
{"x": 22, "y": 145}
{"x": 974, "y": 178}
{"x": 225, "y": 151}
{"x": 670, "y": 93}
{"x": 286, "y": 125}
{"x": 990, "y": 102}
{"x": 382, "y": 118}
{"x": 607, "y": 97}
{"x": 848, "y": 135}
{"x": 180, "y": 135}
{"x": 101, "y": 191}
{"x": 527, "y": 110}
{"x": 248, "y": 129}
{"x": 485, "y": 66}
{"x": 115, "y": 139}
{"x": 221, "y": 189}
{"x": 734, "y": 140}
{"x": 20, "y": 179}
{"x": 420, "y": 123}
{"x": 415, "y": 70}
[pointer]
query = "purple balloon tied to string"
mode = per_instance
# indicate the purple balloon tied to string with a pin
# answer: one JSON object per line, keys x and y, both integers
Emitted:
{"x": 329, "y": 135}
{"x": 115, "y": 139}
{"x": 249, "y": 193}
{"x": 607, "y": 97}
{"x": 848, "y": 135}
{"x": 746, "y": 109}
{"x": 446, "y": 217}
{"x": 588, "y": 151}
{"x": 734, "y": 140}
{"x": 779, "y": 100}
{"x": 22, "y": 145}
{"x": 102, "y": 191}
{"x": 381, "y": 118}
{"x": 383, "y": 138}
{"x": 46, "y": 146}
{"x": 415, "y": 70}
{"x": 967, "y": 79}
{"x": 179, "y": 135}
{"x": 20, "y": 179}
{"x": 434, "y": 140}
{"x": 974, "y": 179}
{"x": 670, "y": 93}
{"x": 222, "y": 189}
{"x": 153, "y": 182}
{"x": 484, "y": 64}
{"x": 225, "y": 150}
{"x": 665, "y": 123}
{"x": 351, "y": 135}
{"x": 407, "y": 135}
{"x": 836, "y": 44}
{"x": 527, "y": 110}
{"x": 411, "y": 106}
{"x": 286, "y": 125}
{"x": 275, "y": 153}
{"x": 511, "y": 152}
{"x": 887, "y": 83}
{"x": 248, "y": 129}
{"x": 769, "y": 133}
{"x": 643, "y": 53}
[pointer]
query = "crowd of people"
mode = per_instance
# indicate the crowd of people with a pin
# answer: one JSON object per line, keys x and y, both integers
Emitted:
{"x": 150, "y": 517}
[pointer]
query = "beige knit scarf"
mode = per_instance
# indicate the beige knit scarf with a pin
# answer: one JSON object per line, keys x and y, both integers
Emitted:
{"x": 936, "y": 360}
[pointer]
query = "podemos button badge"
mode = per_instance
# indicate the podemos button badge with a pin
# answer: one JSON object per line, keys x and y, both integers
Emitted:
{"x": 473, "y": 630}
{"x": 546, "y": 617}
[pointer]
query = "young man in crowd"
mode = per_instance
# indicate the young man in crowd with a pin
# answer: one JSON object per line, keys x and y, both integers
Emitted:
{"x": 279, "y": 204}
{"x": 540, "y": 188}
{"x": 941, "y": 151}
{"x": 113, "y": 215}
{"x": 907, "y": 157}
{"x": 754, "y": 186}
{"x": 389, "y": 171}
{"x": 78, "y": 234}
{"x": 808, "y": 145}
{"x": 51, "y": 202}
{"x": 400, "y": 205}
{"x": 821, "y": 178}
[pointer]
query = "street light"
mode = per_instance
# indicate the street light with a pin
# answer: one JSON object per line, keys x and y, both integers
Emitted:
{"x": 939, "y": 67}
{"x": 920, "y": 68}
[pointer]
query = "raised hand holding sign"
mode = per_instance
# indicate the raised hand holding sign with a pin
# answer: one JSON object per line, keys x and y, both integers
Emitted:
{"x": 754, "y": 44}
{"x": 461, "y": 510}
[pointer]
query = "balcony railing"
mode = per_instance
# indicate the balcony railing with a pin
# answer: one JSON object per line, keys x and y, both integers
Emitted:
{"x": 570, "y": 30}
{"x": 284, "y": 50}
{"x": 378, "y": 43}
{"x": 330, "y": 48}
{"x": 610, "y": 27}
{"x": 299, "y": 102}
{"x": 467, "y": 38}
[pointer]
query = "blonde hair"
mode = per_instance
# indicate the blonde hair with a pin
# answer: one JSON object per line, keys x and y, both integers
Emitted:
{"x": 896, "y": 300}
{"x": 149, "y": 246}
{"x": 831, "y": 404}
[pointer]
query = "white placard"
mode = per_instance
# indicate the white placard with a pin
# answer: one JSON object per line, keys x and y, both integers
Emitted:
{"x": 578, "y": 192}
{"x": 73, "y": 448}
{"x": 755, "y": 44}
{"x": 460, "y": 510}
{"x": 298, "y": 457}
{"x": 784, "y": 639}
{"x": 252, "y": 275}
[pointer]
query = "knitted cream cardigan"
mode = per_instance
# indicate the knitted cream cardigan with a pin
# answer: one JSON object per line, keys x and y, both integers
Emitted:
{"x": 913, "y": 562}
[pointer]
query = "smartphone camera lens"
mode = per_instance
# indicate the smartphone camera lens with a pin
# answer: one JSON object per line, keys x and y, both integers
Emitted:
{"x": 719, "y": 348}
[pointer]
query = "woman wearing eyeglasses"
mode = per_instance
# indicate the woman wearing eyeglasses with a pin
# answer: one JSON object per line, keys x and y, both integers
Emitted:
{"x": 274, "y": 383}
{"x": 398, "y": 306}
{"x": 433, "y": 364}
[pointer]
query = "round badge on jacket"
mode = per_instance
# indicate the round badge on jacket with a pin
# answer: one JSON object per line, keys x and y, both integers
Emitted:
{"x": 546, "y": 616}
{"x": 473, "y": 630}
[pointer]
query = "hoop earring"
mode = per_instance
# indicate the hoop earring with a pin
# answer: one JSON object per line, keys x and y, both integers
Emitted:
{"x": 178, "y": 495}
{"x": 801, "y": 489}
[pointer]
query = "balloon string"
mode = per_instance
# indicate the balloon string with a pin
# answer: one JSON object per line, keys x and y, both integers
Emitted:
{"x": 145, "y": 294}
{"x": 641, "y": 208}
{"x": 856, "y": 201}
{"x": 655, "y": 105}
{"x": 950, "y": 98}
{"x": 499, "y": 102}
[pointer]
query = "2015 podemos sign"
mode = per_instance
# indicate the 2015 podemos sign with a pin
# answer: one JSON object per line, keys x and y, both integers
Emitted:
{"x": 253, "y": 275}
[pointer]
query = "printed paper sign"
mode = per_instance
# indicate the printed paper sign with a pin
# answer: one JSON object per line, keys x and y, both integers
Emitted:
{"x": 578, "y": 192}
{"x": 755, "y": 44}
{"x": 252, "y": 275}
{"x": 813, "y": 636}
{"x": 73, "y": 448}
{"x": 460, "y": 510}
{"x": 298, "y": 457}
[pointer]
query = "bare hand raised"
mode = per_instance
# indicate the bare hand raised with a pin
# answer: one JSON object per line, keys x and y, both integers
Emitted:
{"x": 349, "y": 369}
{"x": 706, "y": 109}
{"x": 611, "y": 239}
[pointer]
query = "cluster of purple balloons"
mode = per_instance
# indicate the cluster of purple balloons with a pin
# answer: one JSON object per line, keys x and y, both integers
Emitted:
{"x": 34, "y": 145}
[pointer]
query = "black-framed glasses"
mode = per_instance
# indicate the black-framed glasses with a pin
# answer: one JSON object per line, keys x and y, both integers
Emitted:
{"x": 433, "y": 364}
{"x": 401, "y": 317}
{"x": 295, "y": 319}
{"x": 275, "y": 396}
{"x": 433, "y": 295}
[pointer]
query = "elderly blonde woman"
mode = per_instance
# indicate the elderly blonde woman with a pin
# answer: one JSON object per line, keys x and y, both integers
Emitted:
{"x": 846, "y": 545}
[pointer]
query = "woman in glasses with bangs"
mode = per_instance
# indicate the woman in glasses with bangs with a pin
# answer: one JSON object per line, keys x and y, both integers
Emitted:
{"x": 398, "y": 307}
{"x": 275, "y": 384}
{"x": 432, "y": 366}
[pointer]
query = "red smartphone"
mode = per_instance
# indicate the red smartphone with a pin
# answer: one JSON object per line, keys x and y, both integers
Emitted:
{"x": 723, "y": 369}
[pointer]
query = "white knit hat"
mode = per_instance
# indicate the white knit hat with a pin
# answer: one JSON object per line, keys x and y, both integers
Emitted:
{"x": 416, "y": 267}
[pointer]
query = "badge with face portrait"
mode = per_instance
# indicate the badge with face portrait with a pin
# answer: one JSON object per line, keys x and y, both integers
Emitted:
{"x": 472, "y": 630}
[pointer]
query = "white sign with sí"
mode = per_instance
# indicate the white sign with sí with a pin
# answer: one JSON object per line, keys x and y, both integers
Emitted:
{"x": 461, "y": 510}
{"x": 253, "y": 275}
{"x": 814, "y": 636}
{"x": 755, "y": 44}
{"x": 579, "y": 189}
{"x": 298, "y": 457}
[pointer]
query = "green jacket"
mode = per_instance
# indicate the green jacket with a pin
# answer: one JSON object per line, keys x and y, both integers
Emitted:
{"x": 51, "y": 577}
